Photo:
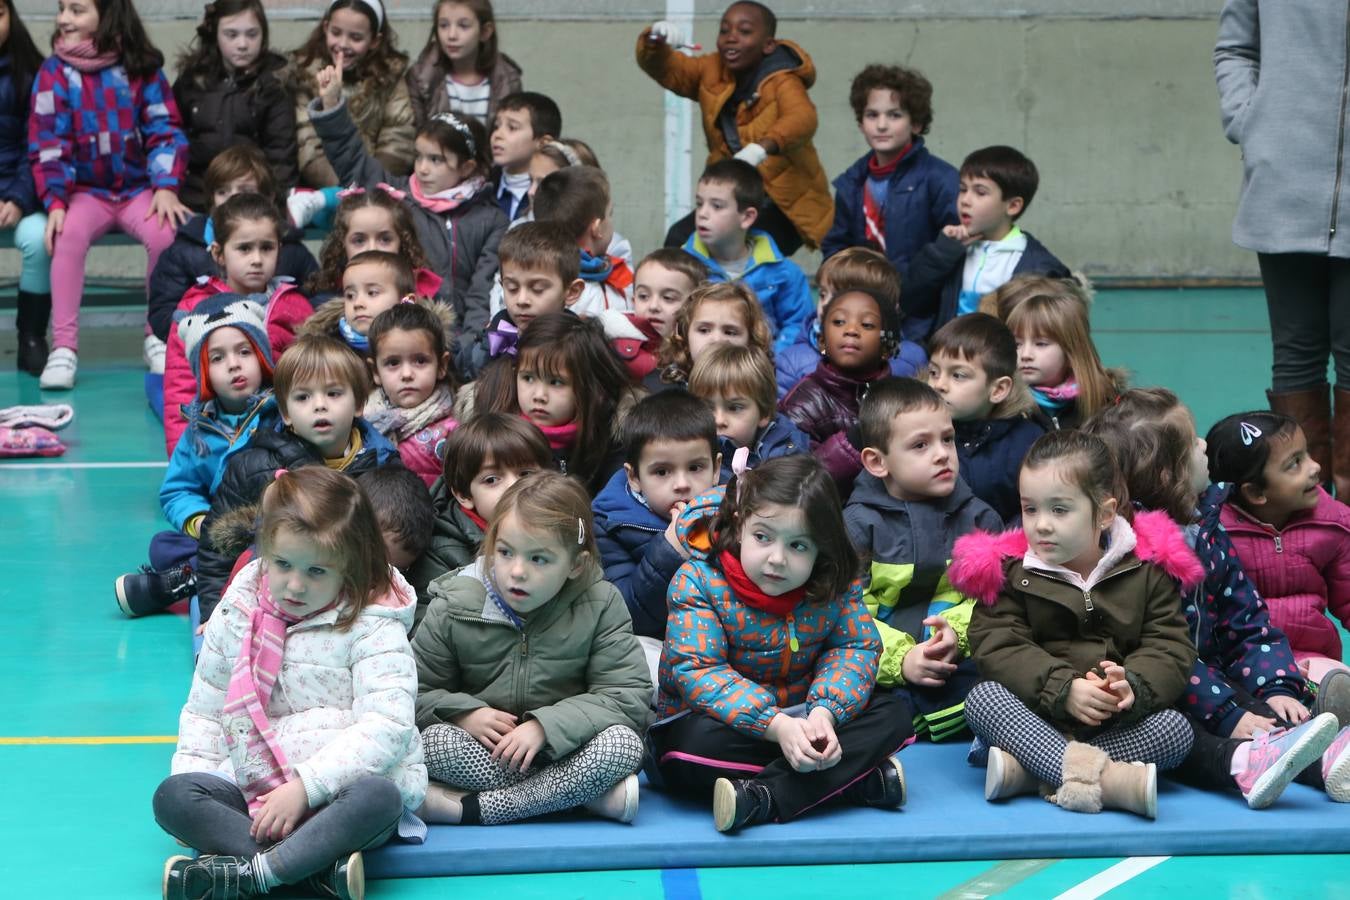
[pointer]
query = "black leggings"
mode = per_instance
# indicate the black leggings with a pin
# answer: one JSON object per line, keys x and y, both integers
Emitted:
{"x": 1308, "y": 298}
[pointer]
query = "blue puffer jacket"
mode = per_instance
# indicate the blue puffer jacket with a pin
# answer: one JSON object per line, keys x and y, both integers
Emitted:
{"x": 16, "y": 176}
{"x": 186, "y": 488}
{"x": 1230, "y": 625}
{"x": 778, "y": 282}
{"x": 779, "y": 438}
{"x": 800, "y": 358}
{"x": 920, "y": 201}
{"x": 991, "y": 453}
{"x": 637, "y": 558}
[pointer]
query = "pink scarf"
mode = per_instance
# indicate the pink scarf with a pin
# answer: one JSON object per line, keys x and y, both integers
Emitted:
{"x": 448, "y": 199}
{"x": 1066, "y": 391}
{"x": 560, "y": 437}
{"x": 264, "y": 767}
{"x": 82, "y": 56}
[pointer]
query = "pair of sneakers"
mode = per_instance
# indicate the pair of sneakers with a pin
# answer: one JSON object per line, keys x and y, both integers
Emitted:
{"x": 1276, "y": 757}
{"x": 737, "y": 804}
{"x": 205, "y": 877}
{"x": 149, "y": 591}
{"x": 61, "y": 365}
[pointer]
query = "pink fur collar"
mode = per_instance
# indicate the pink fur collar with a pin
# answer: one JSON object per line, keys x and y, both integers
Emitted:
{"x": 979, "y": 560}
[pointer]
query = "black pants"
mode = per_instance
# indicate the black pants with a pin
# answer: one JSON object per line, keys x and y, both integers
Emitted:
{"x": 771, "y": 219}
{"x": 694, "y": 751}
{"x": 1308, "y": 298}
{"x": 940, "y": 712}
{"x": 1209, "y": 765}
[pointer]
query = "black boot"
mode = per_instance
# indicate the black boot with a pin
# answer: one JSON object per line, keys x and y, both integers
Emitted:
{"x": 344, "y": 879}
{"x": 881, "y": 788}
{"x": 149, "y": 591}
{"x": 34, "y": 312}
{"x": 209, "y": 878}
{"x": 740, "y": 803}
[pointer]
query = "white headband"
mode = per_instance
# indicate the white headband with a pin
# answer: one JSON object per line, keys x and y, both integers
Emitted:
{"x": 454, "y": 122}
{"x": 375, "y": 6}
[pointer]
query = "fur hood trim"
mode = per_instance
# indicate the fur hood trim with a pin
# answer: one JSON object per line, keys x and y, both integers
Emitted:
{"x": 980, "y": 560}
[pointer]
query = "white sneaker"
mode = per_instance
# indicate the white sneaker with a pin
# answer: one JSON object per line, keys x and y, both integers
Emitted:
{"x": 303, "y": 204}
{"x": 153, "y": 354}
{"x": 59, "y": 373}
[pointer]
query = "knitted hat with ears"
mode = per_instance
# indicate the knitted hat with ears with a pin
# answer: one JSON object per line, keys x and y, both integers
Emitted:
{"x": 221, "y": 311}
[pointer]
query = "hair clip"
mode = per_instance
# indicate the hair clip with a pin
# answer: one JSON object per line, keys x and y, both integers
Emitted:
{"x": 276, "y": 476}
{"x": 456, "y": 123}
{"x": 567, "y": 152}
{"x": 392, "y": 191}
{"x": 740, "y": 464}
{"x": 1248, "y": 432}
{"x": 581, "y": 532}
{"x": 353, "y": 190}
{"x": 408, "y": 298}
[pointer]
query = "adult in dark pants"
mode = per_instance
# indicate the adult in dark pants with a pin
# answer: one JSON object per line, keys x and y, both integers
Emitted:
{"x": 1284, "y": 94}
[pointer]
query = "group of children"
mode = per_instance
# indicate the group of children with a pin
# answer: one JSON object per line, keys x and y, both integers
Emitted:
{"x": 480, "y": 517}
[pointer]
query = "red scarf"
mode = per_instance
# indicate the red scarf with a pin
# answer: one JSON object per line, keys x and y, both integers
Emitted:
{"x": 874, "y": 219}
{"x": 560, "y": 437}
{"x": 475, "y": 518}
{"x": 750, "y": 594}
{"x": 82, "y": 56}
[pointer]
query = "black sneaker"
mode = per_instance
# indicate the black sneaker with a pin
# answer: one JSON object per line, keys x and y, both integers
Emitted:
{"x": 148, "y": 591}
{"x": 208, "y": 878}
{"x": 881, "y": 788}
{"x": 740, "y": 803}
{"x": 344, "y": 879}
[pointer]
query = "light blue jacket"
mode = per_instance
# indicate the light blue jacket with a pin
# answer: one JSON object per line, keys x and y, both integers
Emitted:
{"x": 779, "y": 283}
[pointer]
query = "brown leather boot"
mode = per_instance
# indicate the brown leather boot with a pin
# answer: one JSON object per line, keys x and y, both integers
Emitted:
{"x": 1340, "y": 445}
{"x": 1311, "y": 408}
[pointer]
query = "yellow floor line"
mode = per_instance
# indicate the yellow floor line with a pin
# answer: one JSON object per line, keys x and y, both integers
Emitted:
{"x": 78, "y": 740}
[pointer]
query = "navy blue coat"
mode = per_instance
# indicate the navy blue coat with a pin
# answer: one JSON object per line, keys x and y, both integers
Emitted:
{"x": 16, "y": 176}
{"x": 637, "y": 558}
{"x": 920, "y": 200}
{"x": 991, "y": 453}
{"x": 781, "y": 437}
{"x": 933, "y": 290}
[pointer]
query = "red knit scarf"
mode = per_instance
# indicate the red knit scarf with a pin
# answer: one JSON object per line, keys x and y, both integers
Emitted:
{"x": 874, "y": 219}
{"x": 82, "y": 56}
{"x": 749, "y": 593}
{"x": 560, "y": 437}
{"x": 475, "y": 518}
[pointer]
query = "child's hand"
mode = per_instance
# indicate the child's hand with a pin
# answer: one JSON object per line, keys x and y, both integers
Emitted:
{"x": 166, "y": 208}
{"x": 1114, "y": 680}
{"x": 487, "y": 725}
{"x": 671, "y": 536}
{"x": 9, "y": 214}
{"x": 943, "y": 644}
{"x": 664, "y": 32}
{"x": 281, "y": 811}
{"x": 929, "y": 664}
{"x": 790, "y": 735}
{"x": 1288, "y": 708}
{"x": 963, "y": 234}
{"x": 1250, "y": 724}
{"x": 820, "y": 732}
{"x": 56, "y": 221}
{"x": 1089, "y": 703}
{"x": 330, "y": 86}
{"x": 518, "y": 747}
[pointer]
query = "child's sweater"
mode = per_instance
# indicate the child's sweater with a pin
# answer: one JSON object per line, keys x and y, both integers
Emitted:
{"x": 420, "y": 434}
{"x": 910, "y": 546}
{"x": 104, "y": 132}
{"x": 824, "y": 405}
{"x": 430, "y": 95}
{"x": 778, "y": 282}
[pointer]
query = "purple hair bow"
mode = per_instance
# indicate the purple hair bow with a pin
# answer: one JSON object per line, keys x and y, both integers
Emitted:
{"x": 503, "y": 339}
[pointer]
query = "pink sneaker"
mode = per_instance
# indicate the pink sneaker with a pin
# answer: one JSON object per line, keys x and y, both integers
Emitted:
{"x": 1336, "y": 767}
{"x": 1275, "y": 757}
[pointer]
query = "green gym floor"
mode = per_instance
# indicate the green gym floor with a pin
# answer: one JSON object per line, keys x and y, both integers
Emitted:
{"x": 94, "y": 697}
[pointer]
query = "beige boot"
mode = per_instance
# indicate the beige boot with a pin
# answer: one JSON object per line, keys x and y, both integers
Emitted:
{"x": 1132, "y": 787}
{"x": 1006, "y": 778}
{"x": 1081, "y": 790}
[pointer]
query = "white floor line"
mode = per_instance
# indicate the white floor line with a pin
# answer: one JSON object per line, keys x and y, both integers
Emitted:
{"x": 1112, "y": 878}
{"x": 9, "y": 467}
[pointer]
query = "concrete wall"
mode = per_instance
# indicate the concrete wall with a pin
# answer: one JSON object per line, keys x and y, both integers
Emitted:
{"x": 1116, "y": 105}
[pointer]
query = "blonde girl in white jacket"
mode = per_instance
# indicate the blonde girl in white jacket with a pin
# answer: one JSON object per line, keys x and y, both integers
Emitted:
{"x": 283, "y": 774}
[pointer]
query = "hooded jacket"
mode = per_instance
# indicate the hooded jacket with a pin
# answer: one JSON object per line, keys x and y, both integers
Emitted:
{"x": 777, "y": 109}
{"x": 1302, "y": 571}
{"x": 734, "y": 663}
{"x": 779, "y": 438}
{"x": 344, "y": 701}
{"x": 428, "y": 94}
{"x": 1034, "y": 630}
{"x": 253, "y": 108}
{"x": 638, "y": 559}
{"x": 909, "y": 545}
{"x": 991, "y": 453}
{"x": 576, "y": 668}
{"x": 461, "y": 245}
{"x": 186, "y": 489}
{"x": 778, "y": 283}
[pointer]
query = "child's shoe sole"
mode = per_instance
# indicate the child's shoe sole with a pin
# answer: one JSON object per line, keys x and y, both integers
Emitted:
{"x": 356, "y": 877}
{"x": 122, "y": 602}
{"x": 169, "y": 866}
{"x": 724, "y": 804}
{"x": 1308, "y": 750}
{"x": 1338, "y": 780}
{"x": 1333, "y": 696}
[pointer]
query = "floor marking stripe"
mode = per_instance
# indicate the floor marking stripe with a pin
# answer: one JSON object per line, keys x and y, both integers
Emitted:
{"x": 997, "y": 879}
{"x": 1112, "y": 878}
{"x": 78, "y": 740}
{"x": 680, "y": 884}
{"x": 7, "y": 467}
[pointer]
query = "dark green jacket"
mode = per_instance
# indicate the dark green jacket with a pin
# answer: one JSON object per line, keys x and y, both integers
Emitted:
{"x": 454, "y": 544}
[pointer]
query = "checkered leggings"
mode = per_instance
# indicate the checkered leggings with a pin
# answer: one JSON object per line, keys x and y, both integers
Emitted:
{"x": 506, "y": 795}
{"x": 1002, "y": 720}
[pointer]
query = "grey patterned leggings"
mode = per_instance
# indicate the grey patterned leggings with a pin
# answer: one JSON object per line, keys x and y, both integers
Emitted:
{"x": 505, "y": 795}
{"x": 1002, "y": 720}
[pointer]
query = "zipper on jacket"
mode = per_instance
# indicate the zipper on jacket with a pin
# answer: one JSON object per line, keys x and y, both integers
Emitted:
{"x": 1340, "y": 132}
{"x": 1279, "y": 544}
{"x": 1087, "y": 601}
{"x": 793, "y": 644}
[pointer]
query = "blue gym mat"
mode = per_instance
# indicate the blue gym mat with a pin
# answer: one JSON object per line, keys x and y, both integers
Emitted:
{"x": 946, "y": 818}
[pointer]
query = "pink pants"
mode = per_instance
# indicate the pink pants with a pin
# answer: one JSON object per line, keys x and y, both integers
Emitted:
{"x": 88, "y": 218}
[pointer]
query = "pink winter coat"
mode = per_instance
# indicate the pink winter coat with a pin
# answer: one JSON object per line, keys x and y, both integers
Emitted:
{"x": 1303, "y": 571}
{"x": 286, "y": 309}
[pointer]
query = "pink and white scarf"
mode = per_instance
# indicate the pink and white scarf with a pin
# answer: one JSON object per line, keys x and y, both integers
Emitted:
{"x": 448, "y": 199}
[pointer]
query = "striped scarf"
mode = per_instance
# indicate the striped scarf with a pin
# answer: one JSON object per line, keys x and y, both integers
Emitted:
{"x": 263, "y": 768}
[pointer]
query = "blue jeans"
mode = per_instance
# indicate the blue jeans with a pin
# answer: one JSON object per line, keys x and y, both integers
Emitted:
{"x": 171, "y": 550}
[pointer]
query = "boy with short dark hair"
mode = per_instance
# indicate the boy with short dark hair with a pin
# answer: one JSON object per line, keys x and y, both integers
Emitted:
{"x": 403, "y": 510}
{"x": 727, "y": 204}
{"x": 970, "y": 259}
{"x": 670, "y": 448}
{"x": 578, "y": 200}
{"x": 752, "y": 93}
{"x": 906, "y": 511}
{"x": 973, "y": 365}
{"x": 662, "y": 282}
{"x": 522, "y": 122}
{"x": 898, "y": 196}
